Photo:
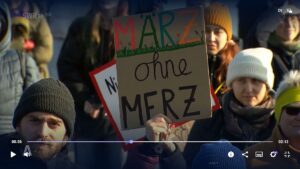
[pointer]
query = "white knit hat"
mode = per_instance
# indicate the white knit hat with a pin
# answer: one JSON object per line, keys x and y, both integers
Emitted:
{"x": 254, "y": 63}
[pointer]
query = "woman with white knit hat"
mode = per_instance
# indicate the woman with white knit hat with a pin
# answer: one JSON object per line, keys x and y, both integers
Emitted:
{"x": 246, "y": 115}
{"x": 247, "y": 109}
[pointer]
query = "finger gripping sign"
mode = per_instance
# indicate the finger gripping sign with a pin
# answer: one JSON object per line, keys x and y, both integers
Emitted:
{"x": 162, "y": 66}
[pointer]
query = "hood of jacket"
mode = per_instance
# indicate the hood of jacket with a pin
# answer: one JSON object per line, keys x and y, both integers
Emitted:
{"x": 5, "y": 40}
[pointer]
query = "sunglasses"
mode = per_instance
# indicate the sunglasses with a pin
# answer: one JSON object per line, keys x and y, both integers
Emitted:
{"x": 292, "y": 111}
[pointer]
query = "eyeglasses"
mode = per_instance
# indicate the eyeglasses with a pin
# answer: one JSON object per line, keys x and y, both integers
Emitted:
{"x": 292, "y": 111}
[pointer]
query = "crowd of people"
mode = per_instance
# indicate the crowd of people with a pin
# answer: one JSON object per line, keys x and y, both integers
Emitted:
{"x": 255, "y": 76}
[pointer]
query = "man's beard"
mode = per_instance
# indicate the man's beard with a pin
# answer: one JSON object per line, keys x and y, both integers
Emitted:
{"x": 45, "y": 151}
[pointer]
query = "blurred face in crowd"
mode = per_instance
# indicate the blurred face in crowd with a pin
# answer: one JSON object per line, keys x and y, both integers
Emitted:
{"x": 216, "y": 39}
{"x": 41, "y": 126}
{"x": 290, "y": 120}
{"x": 288, "y": 28}
{"x": 249, "y": 91}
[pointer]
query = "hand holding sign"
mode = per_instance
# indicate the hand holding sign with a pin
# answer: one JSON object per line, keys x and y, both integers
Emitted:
{"x": 158, "y": 128}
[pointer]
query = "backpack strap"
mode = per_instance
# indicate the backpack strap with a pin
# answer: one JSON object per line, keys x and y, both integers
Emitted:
{"x": 281, "y": 63}
{"x": 296, "y": 60}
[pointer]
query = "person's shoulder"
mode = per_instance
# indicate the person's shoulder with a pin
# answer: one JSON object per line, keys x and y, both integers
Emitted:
{"x": 209, "y": 126}
{"x": 215, "y": 119}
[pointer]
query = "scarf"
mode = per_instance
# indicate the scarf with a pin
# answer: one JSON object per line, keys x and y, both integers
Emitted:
{"x": 289, "y": 47}
{"x": 246, "y": 122}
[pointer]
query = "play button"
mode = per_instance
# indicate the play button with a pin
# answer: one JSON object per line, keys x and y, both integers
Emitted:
{"x": 12, "y": 154}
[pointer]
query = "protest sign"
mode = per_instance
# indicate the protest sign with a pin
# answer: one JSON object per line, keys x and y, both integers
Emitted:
{"x": 162, "y": 66}
{"x": 105, "y": 82}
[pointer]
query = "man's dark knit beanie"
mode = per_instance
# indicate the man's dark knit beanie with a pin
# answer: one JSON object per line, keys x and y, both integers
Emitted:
{"x": 49, "y": 96}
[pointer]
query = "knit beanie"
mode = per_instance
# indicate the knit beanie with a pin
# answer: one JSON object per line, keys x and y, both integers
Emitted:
{"x": 288, "y": 92}
{"x": 254, "y": 63}
{"x": 216, "y": 156}
{"x": 219, "y": 15}
{"x": 50, "y": 96}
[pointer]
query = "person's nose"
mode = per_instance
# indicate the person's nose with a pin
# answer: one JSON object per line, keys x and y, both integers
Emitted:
{"x": 210, "y": 36}
{"x": 248, "y": 87}
{"x": 288, "y": 22}
{"x": 43, "y": 130}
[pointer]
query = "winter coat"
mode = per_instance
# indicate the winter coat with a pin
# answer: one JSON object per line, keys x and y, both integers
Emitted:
{"x": 60, "y": 161}
{"x": 144, "y": 157}
{"x": 40, "y": 34}
{"x": 17, "y": 72}
{"x": 278, "y": 162}
{"x": 79, "y": 55}
{"x": 249, "y": 124}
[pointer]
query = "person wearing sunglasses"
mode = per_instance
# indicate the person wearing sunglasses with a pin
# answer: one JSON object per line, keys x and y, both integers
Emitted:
{"x": 283, "y": 150}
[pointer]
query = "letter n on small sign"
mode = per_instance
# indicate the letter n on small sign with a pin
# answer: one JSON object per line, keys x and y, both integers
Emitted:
{"x": 162, "y": 66}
